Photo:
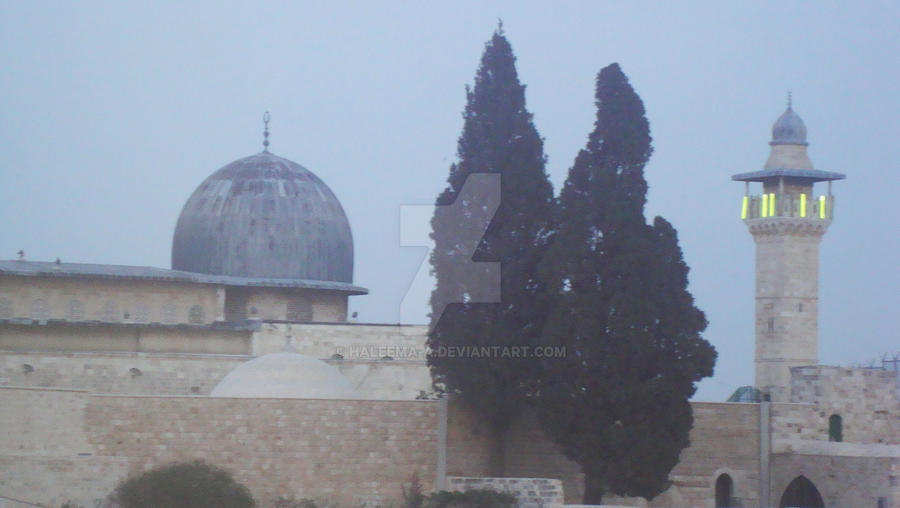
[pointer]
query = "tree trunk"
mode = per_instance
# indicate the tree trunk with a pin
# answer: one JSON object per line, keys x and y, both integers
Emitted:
{"x": 593, "y": 489}
{"x": 497, "y": 459}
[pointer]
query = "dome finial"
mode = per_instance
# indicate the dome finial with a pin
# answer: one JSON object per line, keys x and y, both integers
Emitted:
{"x": 266, "y": 118}
{"x": 789, "y": 99}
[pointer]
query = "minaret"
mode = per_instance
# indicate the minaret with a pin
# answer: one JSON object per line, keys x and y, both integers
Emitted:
{"x": 787, "y": 222}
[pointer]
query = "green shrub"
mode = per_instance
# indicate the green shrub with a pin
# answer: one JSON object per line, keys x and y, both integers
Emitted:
{"x": 413, "y": 496}
{"x": 183, "y": 485}
{"x": 290, "y": 502}
{"x": 471, "y": 499}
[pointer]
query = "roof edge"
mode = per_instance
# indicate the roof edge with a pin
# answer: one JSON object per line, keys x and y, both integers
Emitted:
{"x": 24, "y": 268}
{"x": 814, "y": 175}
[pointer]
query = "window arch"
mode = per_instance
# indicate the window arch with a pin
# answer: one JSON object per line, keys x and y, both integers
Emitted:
{"x": 195, "y": 315}
{"x": 168, "y": 313}
{"x": 40, "y": 311}
{"x": 835, "y": 428}
{"x": 801, "y": 492}
{"x": 140, "y": 313}
{"x": 724, "y": 491}
{"x": 6, "y": 308}
{"x": 109, "y": 312}
{"x": 299, "y": 309}
{"x": 76, "y": 310}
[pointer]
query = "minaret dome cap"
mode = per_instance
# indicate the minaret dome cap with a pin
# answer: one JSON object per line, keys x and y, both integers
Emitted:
{"x": 789, "y": 129}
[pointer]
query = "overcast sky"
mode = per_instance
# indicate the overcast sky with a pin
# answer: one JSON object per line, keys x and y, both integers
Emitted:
{"x": 112, "y": 113}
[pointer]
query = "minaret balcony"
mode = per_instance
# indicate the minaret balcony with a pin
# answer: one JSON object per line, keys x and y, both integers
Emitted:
{"x": 778, "y": 205}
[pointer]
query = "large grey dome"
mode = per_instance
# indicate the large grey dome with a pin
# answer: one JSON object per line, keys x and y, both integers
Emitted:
{"x": 264, "y": 216}
{"x": 789, "y": 129}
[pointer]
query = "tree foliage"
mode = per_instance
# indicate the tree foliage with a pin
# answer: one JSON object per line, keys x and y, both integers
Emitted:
{"x": 499, "y": 138}
{"x": 617, "y": 404}
{"x": 180, "y": 485}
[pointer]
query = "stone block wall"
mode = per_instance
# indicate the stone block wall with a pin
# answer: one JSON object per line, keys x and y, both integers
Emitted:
{"x": 529, "y": 453}
{"x": 470, "y": 443}
{"x": 530, "y": 492}
{"x": 345, "y": 451}
{"x": 841, "y": 481}
{"x": 95, "y": 337}
{"x": 797, "y": 422}
{"x": 866, "y": 399}
{"x": 96, "y": 299}
{"x": 63, "y": 445}
{"x": 119, "y": 373}
{"x": 351, "y": 341}
{"x": 786, "y": 301}
{"x": 724, "y": 440}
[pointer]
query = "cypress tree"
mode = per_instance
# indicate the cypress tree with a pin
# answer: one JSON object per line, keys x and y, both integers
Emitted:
{"x": 498, "y": 137}
{"x": 617, "y": 404}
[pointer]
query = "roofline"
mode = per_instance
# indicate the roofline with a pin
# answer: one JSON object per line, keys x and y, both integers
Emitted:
{"x": 226, "y": 326}
{"x": 814, "y": 175}
{"x": 64, "y": 270}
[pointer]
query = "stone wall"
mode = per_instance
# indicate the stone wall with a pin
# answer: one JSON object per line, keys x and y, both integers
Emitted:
{"x": 724, "y": 440}
{"x": 351, "y": 341}
{"x": 67, "y": 445}
{"x": 65, "y": 337}
{"x": 96, "y": 299}
{"x": 530, "y": 492}
{"x": 528, "y": 453}
{"x": 118, "y": 373}
{"x": 867, "y": 401}
{"x": 191, "y": 360}
{"x": 786, "y": 300}
{"x": 841, "y": 481}
{"x": 293, "y": 304}
{"x": 470, "y": 443}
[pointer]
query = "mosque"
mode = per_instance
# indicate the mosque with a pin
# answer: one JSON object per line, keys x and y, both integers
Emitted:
{"x": 242, "y": 355}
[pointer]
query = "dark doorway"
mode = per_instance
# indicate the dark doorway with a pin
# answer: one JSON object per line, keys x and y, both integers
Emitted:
{"x": 724, "y": 491}
{"x": 801, "y": 493}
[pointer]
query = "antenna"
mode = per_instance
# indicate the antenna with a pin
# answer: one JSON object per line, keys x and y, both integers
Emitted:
{"x": 266, "y": 118}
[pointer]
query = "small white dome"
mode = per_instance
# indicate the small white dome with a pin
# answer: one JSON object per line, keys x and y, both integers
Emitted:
{"x": 285, "y": 376}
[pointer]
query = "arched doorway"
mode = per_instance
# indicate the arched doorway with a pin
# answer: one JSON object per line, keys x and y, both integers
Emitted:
{"x": 801, "y": 493}
{"x": 724, "y": 491}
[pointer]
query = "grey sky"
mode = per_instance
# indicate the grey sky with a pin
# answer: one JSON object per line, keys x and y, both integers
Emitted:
{"x": 112, "y": 113}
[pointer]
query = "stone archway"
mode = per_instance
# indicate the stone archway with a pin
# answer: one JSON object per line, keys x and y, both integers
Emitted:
{"x": 801, "y": 493}
{"x": 724, "y": 491}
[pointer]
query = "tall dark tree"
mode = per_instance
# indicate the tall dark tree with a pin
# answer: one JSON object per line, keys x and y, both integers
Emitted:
{"x": 498, "y": 138}
{"x": 617, "y": 404}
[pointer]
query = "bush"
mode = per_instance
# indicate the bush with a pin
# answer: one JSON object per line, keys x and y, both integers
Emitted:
{"x": 290, "y": 502}
{"x": 183, "y": 485}
{"x": 471, "y": 499}
{"x": 413, "y": 496}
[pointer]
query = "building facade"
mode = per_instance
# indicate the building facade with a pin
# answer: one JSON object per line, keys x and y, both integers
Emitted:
{"x": 242, "y": 355}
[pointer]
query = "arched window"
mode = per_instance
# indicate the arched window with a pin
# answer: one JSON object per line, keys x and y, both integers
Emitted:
{"x": 140, "y": 313}
{"x": 76, "y": 310}
{"x": 299, "y": 309}
{"x": 6, "y": 308}
{"x": 195, "y": 315}
{"x": 109, "y": 312}
{"x": 835, "y": 428}
{"x": 168, "y": 313}
{"x": 801, "y": 492}
{"x": 724, "y": 491}
{"x": 40, "y": 311}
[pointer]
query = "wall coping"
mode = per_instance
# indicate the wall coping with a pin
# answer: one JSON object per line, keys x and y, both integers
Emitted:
{"x": 44, "y": 389}
{"x": 829, "y": 448}
{"x": 124, "y": 354}
{"x": 206, "y": 397}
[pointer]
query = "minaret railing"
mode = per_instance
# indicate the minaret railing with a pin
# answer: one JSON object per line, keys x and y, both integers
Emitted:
{"x": 774, "y": 205}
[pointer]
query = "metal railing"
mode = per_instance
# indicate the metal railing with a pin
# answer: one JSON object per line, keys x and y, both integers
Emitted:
{"x": 773, "y": 205}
